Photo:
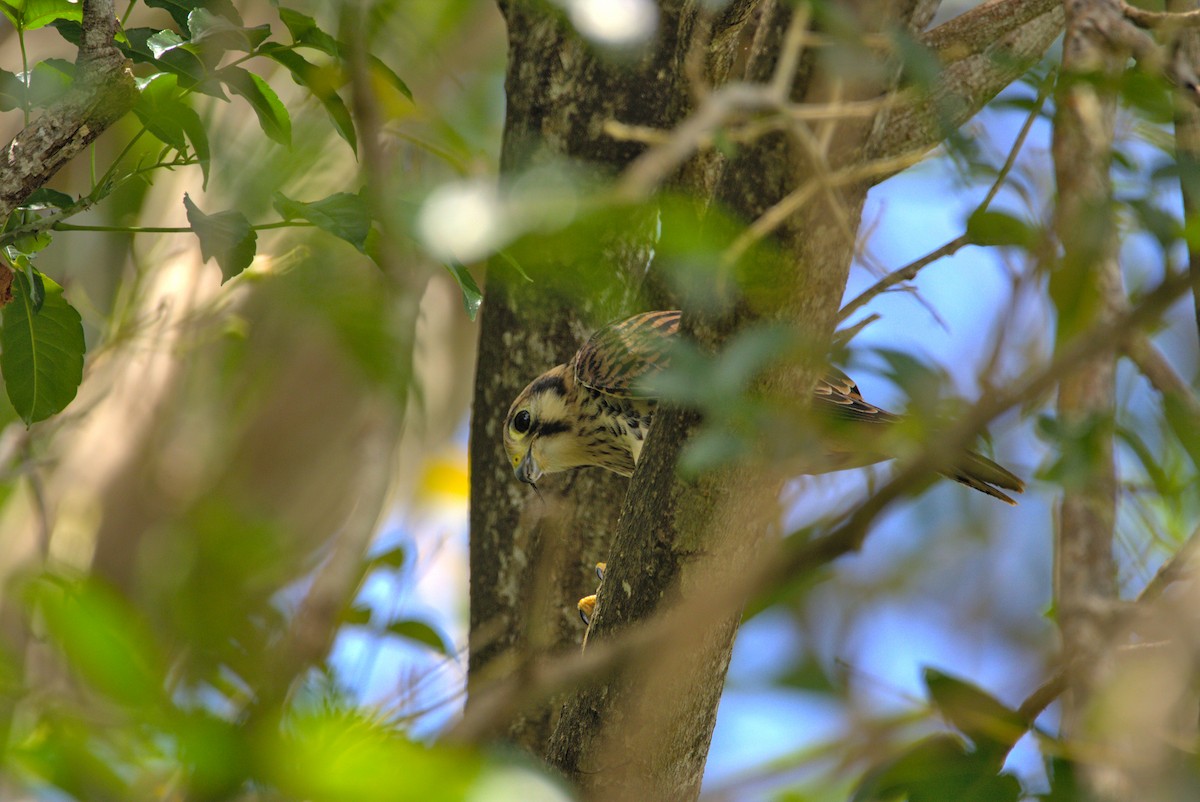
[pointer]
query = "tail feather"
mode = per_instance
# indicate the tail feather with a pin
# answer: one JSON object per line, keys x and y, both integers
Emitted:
{"x": 982, "y": 474}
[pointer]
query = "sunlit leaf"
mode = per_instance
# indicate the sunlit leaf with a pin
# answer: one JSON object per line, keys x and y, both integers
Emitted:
{"x": 343, "y": 214}
{"x": 181, "y": 9}
{"x": 32, "y": 14}
{"x": 222, "y": 33}
{"x": 102, "y": 637}
{"x": 42, "y": 355}
{"x": 225, "y": 236}
{"x": 349, "y": 758}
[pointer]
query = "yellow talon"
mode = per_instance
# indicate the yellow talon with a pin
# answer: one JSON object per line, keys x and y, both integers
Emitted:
{"x": 587, "y": 606}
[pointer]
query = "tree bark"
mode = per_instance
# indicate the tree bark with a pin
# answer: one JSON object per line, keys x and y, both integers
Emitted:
{"x": 643, "y": 733}
{"x": 103, "y": 93}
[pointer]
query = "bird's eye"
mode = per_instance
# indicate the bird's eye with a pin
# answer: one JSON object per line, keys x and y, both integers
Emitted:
{"x": 522, "y": 422}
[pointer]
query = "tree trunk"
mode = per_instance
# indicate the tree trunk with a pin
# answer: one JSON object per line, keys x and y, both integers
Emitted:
{"x": 643, "y": 732}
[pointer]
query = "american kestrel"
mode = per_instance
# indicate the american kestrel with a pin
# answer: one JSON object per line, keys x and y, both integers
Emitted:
{"x": 592, "y": 411}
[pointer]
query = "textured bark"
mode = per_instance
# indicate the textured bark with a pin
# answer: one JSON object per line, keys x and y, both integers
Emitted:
{"x": 103, "y": 93}
{"x": 1087, "y": 288}
{"x": 530, "y": 560}
{"x": 643, "y": 732}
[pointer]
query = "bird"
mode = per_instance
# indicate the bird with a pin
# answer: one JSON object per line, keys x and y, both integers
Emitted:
{"x": 593, "y": 411}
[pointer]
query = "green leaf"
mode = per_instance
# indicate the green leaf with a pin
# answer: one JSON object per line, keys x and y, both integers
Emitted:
{"x": 392, "y": 558}
{"x": 221, "y": 34}
{"x": 357, "y": 616}
{"x": 997, "y": 228}
{"x": 158, "y": 108}
{"x": 272, "y": 115}
{"x": 313, "y": 79}
{"x": 49, "y": 80}
{"x": 343, "y": 214}
{"x": 305, "y": 31}
{"x": 12, "y": 91}
{"x": 977, "y": 714}
{"x": 102, "y": 638}
{"x": 168, "y": 52}
{"x": 391, "y": 77}
{"x": 181, "y": 9}
{"x": 936, "y": 769}
{"x": 422, "y": 633}
{"x": 42, "y": 356}
{"x": 31, "y": 14}
{"x": 226, "y": 236}
{"x": 471, "y": 294}
{"x": 162, "y": 110}
{"x": 45, "y": 198}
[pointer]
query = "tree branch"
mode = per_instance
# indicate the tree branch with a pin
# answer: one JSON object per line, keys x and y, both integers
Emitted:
{"x": 103, "y": 92}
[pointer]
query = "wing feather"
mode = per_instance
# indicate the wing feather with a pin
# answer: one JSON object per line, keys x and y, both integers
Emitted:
{"x": 621, "y": 353}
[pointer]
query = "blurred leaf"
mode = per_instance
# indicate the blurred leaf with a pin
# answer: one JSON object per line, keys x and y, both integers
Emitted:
{"x": 343, "y": 214}
{"x": 977, "y": 714}
{"x": 1157, "y": 222}
{"x": 49, "y": 80}
{"x": 217, "y": 757}
{"x": 12, "y": 91}
{"x": 1183, "y": 425}
{"x": 42, "y": 350}
{"x": 305, "y": 31}
{"x": 393, "y": 558}
{"x": 226, "y": 236}
{"x": 422, "y": 633}
{"x": 102, "y": 637}
{"x": 937, "y": 769}
{"x": 390, "y": 76}
{"x": 999, "y": 229}
{"x": 357, "y": 615}
{"x": 921, "y": 65}
{"x": 65, "y": 754}
{"x": 272, "y": 115}
{"x": 1150, "y": 461}
{"x": 471, "y": 294}
{"x": 1064, "y": 787}
{"x": 1149, "y": 94}
{"x": 345, "y": 757}
{"x": 309, "y": 76}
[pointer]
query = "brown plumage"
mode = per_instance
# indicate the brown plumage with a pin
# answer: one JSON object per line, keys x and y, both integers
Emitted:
{"x": 589, "y": 411}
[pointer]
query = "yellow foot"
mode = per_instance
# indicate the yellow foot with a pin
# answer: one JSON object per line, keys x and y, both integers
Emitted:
{"x": 587, "y": 605}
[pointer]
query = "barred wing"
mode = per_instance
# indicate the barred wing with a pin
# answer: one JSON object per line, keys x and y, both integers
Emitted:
{"x": 619, "y": 354}
{"x": 836, "y": 394}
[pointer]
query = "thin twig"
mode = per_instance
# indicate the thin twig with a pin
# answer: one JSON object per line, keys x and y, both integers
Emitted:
{"x": 540, "y": 679}
{"x": 794, "y": 201}
{"x": 910, "y": 271}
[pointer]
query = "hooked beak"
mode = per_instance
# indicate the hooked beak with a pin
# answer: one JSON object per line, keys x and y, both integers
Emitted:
{"x": 528, "y": 470}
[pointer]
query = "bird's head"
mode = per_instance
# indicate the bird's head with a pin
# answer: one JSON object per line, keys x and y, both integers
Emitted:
{"x": 539, "y": 430}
